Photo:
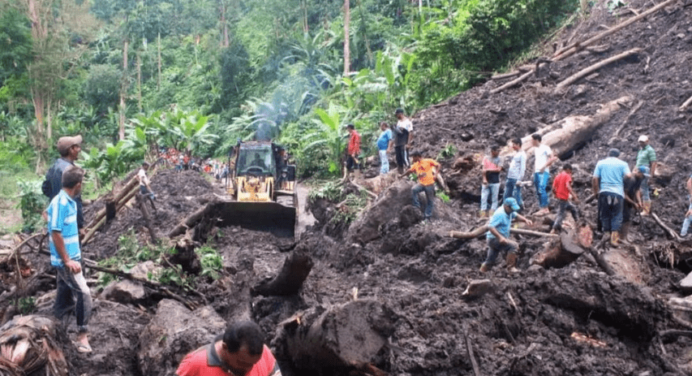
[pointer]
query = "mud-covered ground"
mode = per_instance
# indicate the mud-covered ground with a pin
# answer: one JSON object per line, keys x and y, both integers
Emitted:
{"x": 576, "y": 320}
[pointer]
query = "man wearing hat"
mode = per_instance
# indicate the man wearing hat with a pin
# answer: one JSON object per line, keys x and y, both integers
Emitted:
{"x": 633, "y": 199}
{"x": 608, "y": 185}
{"x": 497, "y": 236}
{"x": 69, "y": 149}
{"x": 646, "y": 157}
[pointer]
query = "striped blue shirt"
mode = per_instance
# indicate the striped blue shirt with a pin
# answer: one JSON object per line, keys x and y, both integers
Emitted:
{"x": 62, "y": 217}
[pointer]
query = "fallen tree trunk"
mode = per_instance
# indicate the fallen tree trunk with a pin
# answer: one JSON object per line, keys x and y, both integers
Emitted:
{"x": 133, "y": 183}
{"x": 519, "y": 80}
{"x": 483, "y": 229}
{"x": 584, "y": 72}
{"x": 665, "y": 228}
{"x": 345, "y": 336}
{"x": 191, "y": 221}
{"x": 576, "y": 46}
{"x": 687, "y": 103}
{"x": 563, "y": 251}
{"x": 290, "y": 279}
{"x": 575, "y": 130}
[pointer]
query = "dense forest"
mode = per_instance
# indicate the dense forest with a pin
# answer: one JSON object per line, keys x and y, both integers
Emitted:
{"x": 199, "y": 75}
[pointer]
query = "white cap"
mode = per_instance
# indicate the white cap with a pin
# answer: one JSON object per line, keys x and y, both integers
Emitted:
{"x": 643, "y": 138}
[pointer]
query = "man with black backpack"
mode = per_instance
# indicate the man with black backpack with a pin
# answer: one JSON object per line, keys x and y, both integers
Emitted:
{"x": 69, "y": 149}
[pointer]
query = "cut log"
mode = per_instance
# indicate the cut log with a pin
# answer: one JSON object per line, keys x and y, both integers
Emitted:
{"x": 483, "y": 229}
{"x": 505, "y": 75}
{"x": 125, "y": 191}
{"x": 561, "y": 252}
{"x": 350, "y": 335}
{"x": 141, "y": 201}
{"x": 575, "y": 130}
{"x": 586, "y": 71}
{"x": 294, "y": 272}
{"x": 519, "y": 80}
{"x": 576, "y": 46}
{"x": 667, "y": 229}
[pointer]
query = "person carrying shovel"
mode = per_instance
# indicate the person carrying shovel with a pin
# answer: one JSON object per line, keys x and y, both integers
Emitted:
{"x": 497, "y": 236}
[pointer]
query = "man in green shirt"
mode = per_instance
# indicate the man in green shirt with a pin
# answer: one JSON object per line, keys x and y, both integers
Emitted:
{"x": 646, "y": 157}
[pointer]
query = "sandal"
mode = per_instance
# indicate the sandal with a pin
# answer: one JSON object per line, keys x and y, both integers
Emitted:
{"x": 82, "y": 348}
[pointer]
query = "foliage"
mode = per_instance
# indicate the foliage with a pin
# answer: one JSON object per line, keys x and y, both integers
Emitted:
{"x": 448, "y": 151}
{"x": 330, "y": 191}
{"x": 102, "y": 87}
{"x": 27, "y": 305}
{"x": 443, "y": 196}
{"x": 15, "y": 44}
{"x": 349, "y": 210}
{"x": 32, "y": 203}
{"x": 211, "y": 261}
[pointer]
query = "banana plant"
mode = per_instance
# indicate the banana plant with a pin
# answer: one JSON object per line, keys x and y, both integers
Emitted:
{"x": 329, "y": 136}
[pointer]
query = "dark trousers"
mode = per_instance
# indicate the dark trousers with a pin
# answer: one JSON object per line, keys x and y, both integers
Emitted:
{"x": 401, "y": 156}
{"x": 610, "y": 206}
{"x": 495, "y": 248}
{"x": 351, "y": 163}
{"x": 563, "y": 207}
{"x": 71, "y": 286}
{"x": 429, "y": 197}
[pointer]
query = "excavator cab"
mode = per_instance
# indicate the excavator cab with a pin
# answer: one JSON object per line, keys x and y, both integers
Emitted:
{"x": 262, "y": 185}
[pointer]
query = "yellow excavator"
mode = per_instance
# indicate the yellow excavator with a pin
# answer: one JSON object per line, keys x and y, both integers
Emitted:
{"x": 263, "y": 187}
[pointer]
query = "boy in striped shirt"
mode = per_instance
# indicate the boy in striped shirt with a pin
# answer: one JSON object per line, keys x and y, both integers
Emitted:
{"x": 66, "y": 256}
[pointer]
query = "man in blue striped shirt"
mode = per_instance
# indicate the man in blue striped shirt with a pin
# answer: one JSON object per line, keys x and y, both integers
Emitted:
{"x": 66, "y": 256}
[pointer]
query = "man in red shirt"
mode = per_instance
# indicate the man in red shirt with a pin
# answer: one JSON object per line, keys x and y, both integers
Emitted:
{"x": 562, "y": 188}
{"x": 353, "y": 149}
{"x": 240, "y": 351}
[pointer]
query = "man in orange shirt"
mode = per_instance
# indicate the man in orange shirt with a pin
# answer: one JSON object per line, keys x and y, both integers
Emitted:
{"x": 426, "y": 171}
{"x": 240, "y": 351}
{"x": 353, "y": 149}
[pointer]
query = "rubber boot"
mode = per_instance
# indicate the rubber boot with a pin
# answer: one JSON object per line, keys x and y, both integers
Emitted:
{"x": 511, "y": 261}
{"x": 614, "y": 238}
{"x": 647, "y": 208}
{"x": 484, "y": 268}
{"x": 624, "y": 231}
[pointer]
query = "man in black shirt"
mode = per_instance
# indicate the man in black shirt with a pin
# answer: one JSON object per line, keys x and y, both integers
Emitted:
{"x": 402, "y": 137}
{"x": 633, "y": 199}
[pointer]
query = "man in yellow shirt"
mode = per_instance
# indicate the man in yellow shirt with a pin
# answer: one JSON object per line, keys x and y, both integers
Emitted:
{"x": 426, "y": 171}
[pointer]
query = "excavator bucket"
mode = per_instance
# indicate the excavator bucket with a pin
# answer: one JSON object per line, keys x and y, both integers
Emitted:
{"x": 272, "y": 217}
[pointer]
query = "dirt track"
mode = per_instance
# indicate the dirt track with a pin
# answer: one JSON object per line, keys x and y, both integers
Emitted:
{"x": 570, "y": 321}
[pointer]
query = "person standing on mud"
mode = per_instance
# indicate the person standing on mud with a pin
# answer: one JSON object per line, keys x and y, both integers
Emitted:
{"x": 426, "y": 171}
{"x": 66, "y": 255}
{"x": 688, "y": 214}
{"x": 515, "y": 174}
{"x": 144, "y": 186}
{"x": 497, "y": 236}
{"x": 353, "y": 150}
{"x": 384, "y": 145}
{"x": 562, "y": 189}
{"x": 633, "y": 199}
{"x": 240, "y": 350}
{"x": 403, "y": 131}
{"x": 646, "y": 157}
{"x": 608, "y": 185}
{"x": 69, "y": 149}
{"x": 544, "y": 158}
{"x": 491, "y": 180}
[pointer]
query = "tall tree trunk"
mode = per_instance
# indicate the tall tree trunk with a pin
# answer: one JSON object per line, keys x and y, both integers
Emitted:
{"x": 158, "y": 79}
{"x": 347, "y": 50}
{"x": 224, "y": 8}
{"x": 123, "y": 92}
{"x": 49, "y": 119}
{"x": 139, "y": 82}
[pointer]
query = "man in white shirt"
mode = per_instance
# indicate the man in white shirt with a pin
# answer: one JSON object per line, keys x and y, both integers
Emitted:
{"x": 515, "y": 174}
{"x": 403, "y": 135}
{"x": 543, "y": 159}
{"x": 144, "y": 187}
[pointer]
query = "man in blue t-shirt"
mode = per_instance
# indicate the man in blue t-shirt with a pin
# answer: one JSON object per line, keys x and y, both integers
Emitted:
{"x": 497, "y": 236}
{"x": 66, "y": 256}
{"x": 384, "y": 144}
{"x": 608, "y": 185}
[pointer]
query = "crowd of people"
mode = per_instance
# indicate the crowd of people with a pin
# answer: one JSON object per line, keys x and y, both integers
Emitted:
{"x": 184, "y": 161}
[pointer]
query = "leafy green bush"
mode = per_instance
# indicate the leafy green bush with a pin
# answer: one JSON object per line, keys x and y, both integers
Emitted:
{"x": 210, "y": 260}
{"x": 32, "y": 203}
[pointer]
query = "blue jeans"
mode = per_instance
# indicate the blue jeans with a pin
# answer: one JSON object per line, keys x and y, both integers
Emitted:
{"x": 513, "y": 190}
{"x": 489, "y": 189}
{"x": 384, "y": 162}
{"x": 429, "y": 196}
{"x": 645, "y": 185}
{"x": 540, "y": 181}
{"x": 686, "y": 223}
{"x": 72, "y": 285}
{"x": 494, "y": 249}
{"x": 610, "y": 208}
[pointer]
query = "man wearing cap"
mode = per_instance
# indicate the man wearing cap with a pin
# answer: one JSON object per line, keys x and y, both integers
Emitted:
{"x": 646, "y": 157}
{"x": 69, "y": 149}
{"x": 607, "y": 184}
{"x": 633, "y": 199}
{"x": 426, "y": 171}
{"x": 497, "y": 236}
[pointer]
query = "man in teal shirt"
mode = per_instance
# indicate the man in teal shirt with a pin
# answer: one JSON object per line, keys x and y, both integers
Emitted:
{"x": 646, "y": 157}
{"x": 497, "y": 236}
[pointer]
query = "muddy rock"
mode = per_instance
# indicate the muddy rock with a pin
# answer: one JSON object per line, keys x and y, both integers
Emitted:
{"x": 124, "y": 291}
{"x": 477, "y": 288}
{"x": 172, "y": 333}
{"x": 409, "y": 216}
